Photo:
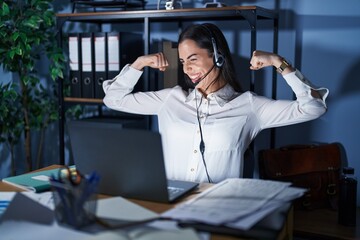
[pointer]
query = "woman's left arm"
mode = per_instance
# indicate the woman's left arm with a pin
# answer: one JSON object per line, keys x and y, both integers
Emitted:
{"x": 310, "y": 102}
{"x": 261, "y": 59}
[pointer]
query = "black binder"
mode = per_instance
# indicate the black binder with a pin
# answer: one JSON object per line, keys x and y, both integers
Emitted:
{"x": 87, "y": 57}
{"x": 123, "y": 48}
{"x": 100, "y": 63}
{"x": 113, "y": 54}
{"x": 174, "y": 73}
{"x": 74, "y": 45}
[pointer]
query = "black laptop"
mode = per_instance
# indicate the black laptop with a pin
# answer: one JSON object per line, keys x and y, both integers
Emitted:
{"x": 130, "y": 162}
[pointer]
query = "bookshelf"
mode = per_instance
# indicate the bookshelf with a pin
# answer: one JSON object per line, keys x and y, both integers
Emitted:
{"x": 251, "y": 14}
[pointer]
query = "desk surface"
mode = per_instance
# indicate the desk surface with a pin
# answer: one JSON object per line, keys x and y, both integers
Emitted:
{"x": 285, "y": 233}
{"x": 322, "y": 224}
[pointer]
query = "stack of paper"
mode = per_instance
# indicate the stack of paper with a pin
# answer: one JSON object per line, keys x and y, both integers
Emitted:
{"x": 236, "y": 203}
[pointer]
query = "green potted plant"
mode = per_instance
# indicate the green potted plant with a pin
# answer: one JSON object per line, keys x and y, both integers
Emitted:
{"x": 11, "y": 120}
{"x": 28, "y": 35}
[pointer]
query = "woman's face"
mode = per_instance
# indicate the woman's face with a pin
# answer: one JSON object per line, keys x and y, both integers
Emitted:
{"x": 196, "y": 62}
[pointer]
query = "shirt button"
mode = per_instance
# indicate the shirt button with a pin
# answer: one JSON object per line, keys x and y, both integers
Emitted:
{"x": 195, "y": 151}
{"x": 192, "y": 169}
{"x": 198, "y": 131}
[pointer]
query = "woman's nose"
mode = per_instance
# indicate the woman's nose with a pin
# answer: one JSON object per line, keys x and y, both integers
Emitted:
{"x": 186, "y": 67}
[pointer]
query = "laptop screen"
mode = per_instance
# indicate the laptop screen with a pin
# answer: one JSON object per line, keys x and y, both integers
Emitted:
{"x": 129, "y": 161}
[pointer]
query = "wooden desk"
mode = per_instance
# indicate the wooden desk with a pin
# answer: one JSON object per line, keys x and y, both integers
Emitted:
{"x": 284, "y": 233}
{"x": 322, "y": 224}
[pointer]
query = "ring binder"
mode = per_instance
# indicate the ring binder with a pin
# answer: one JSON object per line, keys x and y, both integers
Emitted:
{"x": 113, "y": 54}
{"x": 87, "y": 46}
{"x": 123, "y": 48}
{"x": 100, "y": 63}
{"x": 75, "y": 64}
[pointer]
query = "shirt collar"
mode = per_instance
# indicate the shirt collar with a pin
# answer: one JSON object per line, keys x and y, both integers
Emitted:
{"x": 222, "y": 96}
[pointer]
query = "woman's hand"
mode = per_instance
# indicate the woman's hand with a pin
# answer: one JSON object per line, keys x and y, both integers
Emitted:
{"x": 156, "y": 60}
{"x": 262, "y": 59}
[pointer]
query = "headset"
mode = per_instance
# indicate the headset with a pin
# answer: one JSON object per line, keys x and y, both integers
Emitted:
{"x": 218, "y": 57}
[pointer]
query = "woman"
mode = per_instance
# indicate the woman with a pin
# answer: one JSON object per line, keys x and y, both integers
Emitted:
{"x": 207, "y": 128}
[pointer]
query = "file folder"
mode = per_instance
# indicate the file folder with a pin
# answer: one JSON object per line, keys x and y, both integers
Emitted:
{"x": 87, "y": 83}
{"x": 75, "y": 64}
{"x": 100, "y": 63}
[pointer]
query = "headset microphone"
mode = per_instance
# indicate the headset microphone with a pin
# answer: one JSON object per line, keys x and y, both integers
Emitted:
{"x": 206, "y": 74}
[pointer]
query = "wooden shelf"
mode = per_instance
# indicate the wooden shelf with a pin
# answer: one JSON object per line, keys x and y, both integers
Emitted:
{"x": 245, "y": 12}
{"x": 83, "y": 100}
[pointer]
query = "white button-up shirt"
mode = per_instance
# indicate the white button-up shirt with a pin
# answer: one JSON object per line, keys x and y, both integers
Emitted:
{"x": 229, "y": 121}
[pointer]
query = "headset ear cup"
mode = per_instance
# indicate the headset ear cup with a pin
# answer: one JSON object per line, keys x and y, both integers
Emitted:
{"x": 219, "y": 60}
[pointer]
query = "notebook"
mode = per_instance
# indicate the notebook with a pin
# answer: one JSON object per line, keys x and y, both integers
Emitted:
{"x": 36, "y": 181}
{"x": 130, "y": 162}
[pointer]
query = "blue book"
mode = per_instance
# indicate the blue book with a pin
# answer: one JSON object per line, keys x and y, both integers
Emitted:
{"x": 34, "y": 181}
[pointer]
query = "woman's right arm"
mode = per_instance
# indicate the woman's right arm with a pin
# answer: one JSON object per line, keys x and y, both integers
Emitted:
{"x": 118, "y": 94}
{"x": 156, "y": 60}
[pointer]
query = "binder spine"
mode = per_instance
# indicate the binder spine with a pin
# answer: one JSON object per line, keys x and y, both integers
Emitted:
{"x": 113, "y": 54}
{"x": 130, "y": 47}
{"x": 100, "y": 63}
{"x": 87, "y": 53}
{"x": 75, "y": 64}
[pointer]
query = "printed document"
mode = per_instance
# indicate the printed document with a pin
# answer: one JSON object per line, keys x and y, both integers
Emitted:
{"x": 234, "y": 200}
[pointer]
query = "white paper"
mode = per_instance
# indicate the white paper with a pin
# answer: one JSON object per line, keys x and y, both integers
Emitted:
{"x": 150, "y": 233}
{"x": 5, "y": 198}
{"x": 228, "y": 200}
{"x": 146, "y": 233}
{"x": 288, "y": 194}
{"x": 119, "y": 208}
{"x": 44, "y": 198}
{"x": 249, "y": 221}
{"x": 29, "y": 231}
{"x": 237, "y": 203}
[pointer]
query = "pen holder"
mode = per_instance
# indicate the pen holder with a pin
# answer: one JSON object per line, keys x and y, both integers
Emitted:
{"x": 75, "y": 204}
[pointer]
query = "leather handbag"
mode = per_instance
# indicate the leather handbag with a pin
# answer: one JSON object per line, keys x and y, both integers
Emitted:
{"x": 313, "y": 167}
